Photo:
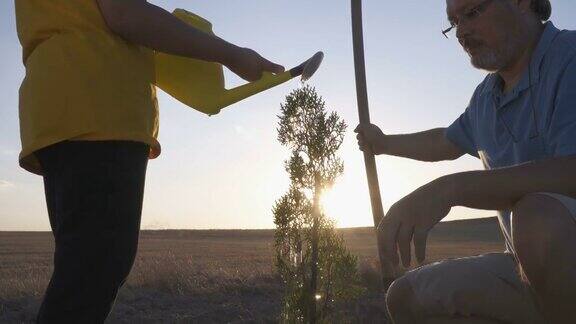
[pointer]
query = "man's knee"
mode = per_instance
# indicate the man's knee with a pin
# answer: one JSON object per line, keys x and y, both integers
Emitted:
{"x": 541, "y": 230}
{"x": 400, "y": 298}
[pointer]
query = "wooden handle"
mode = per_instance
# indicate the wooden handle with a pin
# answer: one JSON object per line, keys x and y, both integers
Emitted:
{"x": 388, "y": 270}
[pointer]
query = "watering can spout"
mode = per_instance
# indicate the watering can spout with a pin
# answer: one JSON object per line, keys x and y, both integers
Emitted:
{"x": 239, "y": 93}
{"x": 269, "y": 80}
{"x": 200, "y": 84}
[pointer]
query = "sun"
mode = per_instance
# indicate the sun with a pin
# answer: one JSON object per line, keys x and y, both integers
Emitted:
{"x": 346, "y": 205}
{"x": 328, "y": 203}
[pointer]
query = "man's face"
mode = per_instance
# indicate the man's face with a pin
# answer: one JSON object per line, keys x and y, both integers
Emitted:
{"x": 490, "y": 31}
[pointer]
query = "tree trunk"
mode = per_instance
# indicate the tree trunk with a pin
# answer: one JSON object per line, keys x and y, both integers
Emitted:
{"x": 315, "y": 240}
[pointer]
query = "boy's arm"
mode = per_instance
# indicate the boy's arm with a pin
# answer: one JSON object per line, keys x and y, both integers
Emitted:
{"x": 145, "y": 24}
{"x": 430, "y": 146}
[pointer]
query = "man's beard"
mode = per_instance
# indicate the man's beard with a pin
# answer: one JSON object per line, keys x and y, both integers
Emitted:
{"x": 494, "y": 60}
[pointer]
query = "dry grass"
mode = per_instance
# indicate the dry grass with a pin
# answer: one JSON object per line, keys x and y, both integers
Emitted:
{"x": 210, "y": 276}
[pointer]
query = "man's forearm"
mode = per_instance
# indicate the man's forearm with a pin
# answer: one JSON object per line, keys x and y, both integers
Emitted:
{"x": 500, "y": 189}
{"x": 156, "y": 28}
{"x": 429, "y": 146}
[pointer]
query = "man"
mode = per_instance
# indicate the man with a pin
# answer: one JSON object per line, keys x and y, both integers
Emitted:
{"x": 89, "y": 123}
{"x": 521, "y": 122}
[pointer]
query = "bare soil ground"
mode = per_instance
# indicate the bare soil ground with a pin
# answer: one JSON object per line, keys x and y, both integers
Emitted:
{"x": 219, "y": 276}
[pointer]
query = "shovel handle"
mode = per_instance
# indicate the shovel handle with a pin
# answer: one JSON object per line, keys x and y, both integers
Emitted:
{"x": 387, "y": 269}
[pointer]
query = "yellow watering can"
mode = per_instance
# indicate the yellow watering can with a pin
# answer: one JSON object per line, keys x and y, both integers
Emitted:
{"x": 200, "y": 84}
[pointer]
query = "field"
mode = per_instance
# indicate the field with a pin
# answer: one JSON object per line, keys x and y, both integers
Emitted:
{"x": 223, "y": 276}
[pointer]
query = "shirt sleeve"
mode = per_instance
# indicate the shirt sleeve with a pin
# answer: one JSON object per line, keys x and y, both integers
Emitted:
{"x": 461, "y": 132}
{"x": 561, "y": 133}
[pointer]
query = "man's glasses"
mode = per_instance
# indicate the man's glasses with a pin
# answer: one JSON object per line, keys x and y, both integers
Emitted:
{"x": 468, "y": 15}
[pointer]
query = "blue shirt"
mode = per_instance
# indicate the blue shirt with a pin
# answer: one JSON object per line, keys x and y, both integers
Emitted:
{"x": 536, "y": 120}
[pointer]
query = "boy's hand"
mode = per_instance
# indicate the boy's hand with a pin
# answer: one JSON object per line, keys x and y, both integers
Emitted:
{"x": 370, "y": 138}
{"x": 249, "y": 65}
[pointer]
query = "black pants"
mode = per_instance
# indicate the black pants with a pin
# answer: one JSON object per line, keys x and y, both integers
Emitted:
{"x": 94, "y": 194}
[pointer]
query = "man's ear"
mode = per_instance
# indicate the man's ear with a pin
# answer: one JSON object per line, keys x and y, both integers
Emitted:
{"x": 524, "y": 5}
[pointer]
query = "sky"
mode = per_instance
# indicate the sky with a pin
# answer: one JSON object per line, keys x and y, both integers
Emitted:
{"x": 226, "y": 171}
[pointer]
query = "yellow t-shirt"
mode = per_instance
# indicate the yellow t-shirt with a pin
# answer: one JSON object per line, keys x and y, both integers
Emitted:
{"x": 82, "y": 81}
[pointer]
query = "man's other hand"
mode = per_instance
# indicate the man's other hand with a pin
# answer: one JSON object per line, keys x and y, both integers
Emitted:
{"x": 411, "y": 218}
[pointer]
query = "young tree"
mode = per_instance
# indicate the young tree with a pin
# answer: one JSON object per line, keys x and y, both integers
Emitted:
{"x": 318, "y": 271}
